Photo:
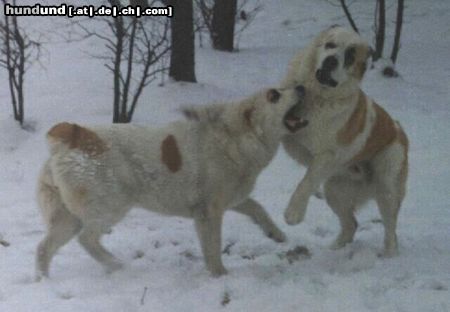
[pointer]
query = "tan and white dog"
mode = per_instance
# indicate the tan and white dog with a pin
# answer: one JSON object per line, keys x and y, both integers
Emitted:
{"x": 351, "y": 144}
{"x": 196, "y": 168}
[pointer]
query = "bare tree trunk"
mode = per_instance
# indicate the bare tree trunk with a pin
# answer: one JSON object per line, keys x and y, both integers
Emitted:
{"x": 349, "y": 16}
{"x": 380, "y": 29}
{"x": 182, "y": 60}
{"x": 223, "y": 21}
{"x": 118, "y": 24}
{"x": 398, "y": 31}
{"x": 21, "y": 68}
{"x": 15, "y": 64}
{"x": 9, "y": 67}
{"x": 129, "y": 73}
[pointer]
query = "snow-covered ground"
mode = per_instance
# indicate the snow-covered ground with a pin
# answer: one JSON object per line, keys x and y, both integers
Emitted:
{"x": 164, "y": 268}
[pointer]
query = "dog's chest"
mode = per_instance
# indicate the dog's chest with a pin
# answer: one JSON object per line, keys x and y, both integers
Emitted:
{"x": 324, "y": 122}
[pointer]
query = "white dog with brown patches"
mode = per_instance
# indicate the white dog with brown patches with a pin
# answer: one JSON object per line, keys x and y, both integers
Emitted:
{"x": 197, "y": 168}
{"x": 351, "y": 144}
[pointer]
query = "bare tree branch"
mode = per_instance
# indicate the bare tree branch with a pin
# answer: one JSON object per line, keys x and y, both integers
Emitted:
{"x": 349, "y": 16}
{"x": 134, "y": 49}
{"x": 17, "y": 53}
{"x": 398, "y": 31}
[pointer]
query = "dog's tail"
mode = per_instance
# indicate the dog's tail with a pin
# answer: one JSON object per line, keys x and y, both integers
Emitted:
{"x": 73, "y": 136}
{"x": 48, "y": 196}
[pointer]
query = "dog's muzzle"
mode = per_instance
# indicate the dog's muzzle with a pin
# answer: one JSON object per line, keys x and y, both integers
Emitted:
{"x": 323, "y": 74}
{"x": 325, "y": 78}
{"x": 292, "y": 119}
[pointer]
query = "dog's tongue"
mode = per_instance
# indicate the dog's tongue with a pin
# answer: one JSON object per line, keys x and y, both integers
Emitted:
{"x": 293, "y": 122}
{"x": 296, "y": 122}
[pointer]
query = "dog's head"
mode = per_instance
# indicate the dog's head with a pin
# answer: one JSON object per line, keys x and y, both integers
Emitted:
{"x": 278, "y": 109}
{"x": 341, "y": 57}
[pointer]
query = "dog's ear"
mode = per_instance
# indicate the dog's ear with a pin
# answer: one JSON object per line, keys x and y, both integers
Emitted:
{"x": 273, "y": 96}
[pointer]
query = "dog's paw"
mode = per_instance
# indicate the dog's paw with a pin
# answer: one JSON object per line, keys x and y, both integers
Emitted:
{"x": 39, "y": 276}
{"x": 277, "y": 235}
{"x": 296, "y": 210}
{"x": 219, "y": 271}
{"x": 338, "y": 244}
{"x": 113, "y": 267}
{"x": 295, "y": 213}
{"x": 292, "y": 216}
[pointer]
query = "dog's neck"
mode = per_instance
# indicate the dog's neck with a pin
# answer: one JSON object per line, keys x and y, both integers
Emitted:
{"x": 340, "y": 93}
{"x": 249, "y": 134}
{"x": 325, "y": 109}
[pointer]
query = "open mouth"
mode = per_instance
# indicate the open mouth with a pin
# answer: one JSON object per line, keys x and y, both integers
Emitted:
{"x": 324, "y": 78}
{"x": 292, "y": 122}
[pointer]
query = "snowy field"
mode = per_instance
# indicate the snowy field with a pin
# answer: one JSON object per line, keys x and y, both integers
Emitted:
{"x": 164, "y": 270}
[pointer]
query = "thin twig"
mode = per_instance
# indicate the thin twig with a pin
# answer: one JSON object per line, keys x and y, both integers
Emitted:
{"x": 143, "y": 295}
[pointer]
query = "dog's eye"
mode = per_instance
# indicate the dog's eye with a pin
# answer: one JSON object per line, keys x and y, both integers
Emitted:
{"x": 273, "y": 95}
{"x": 330, "y": 45}
{"x": 349, "y": 56}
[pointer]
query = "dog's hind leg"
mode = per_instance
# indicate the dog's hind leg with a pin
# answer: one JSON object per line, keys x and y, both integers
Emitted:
{"x": 89, "y": 239}
{"x": 208, "y": 223}
{"x": 256, "y": 212}
{"x": 389, "y": 206}
{"x": 343, "y": 195}
{"x": 390, "y": 169}
{"x": 390, "y": 190}
{"x": 62, "y": 229}
{"x": 62, "y": 226}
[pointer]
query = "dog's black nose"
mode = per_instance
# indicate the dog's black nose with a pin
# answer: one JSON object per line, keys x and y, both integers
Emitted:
{"x": 300, "y": 90}
{"x": 330, "y": 63}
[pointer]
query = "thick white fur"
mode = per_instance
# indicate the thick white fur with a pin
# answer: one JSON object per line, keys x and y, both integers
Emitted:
{"x": 95, "y": 175}
{"x": 357, "y": 165}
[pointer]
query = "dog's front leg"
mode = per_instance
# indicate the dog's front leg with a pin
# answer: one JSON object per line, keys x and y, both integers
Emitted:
{"x": 208, "y": 223}
{"x": 319, "y": 170}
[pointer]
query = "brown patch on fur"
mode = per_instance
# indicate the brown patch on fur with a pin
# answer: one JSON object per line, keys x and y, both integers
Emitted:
{"x": 77, "y": 137}
{"x": 355, "y": 124}
{"x": 170, "y": 154}
{"x": 403, "y": 140}
{"x": 248, "y": 116}
{"x": 383, "y": 133}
